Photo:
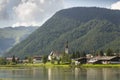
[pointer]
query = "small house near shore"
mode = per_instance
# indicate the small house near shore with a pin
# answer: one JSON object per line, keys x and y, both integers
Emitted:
{"x": 37, "y": 59}
{"x": 104, "y": 60}
{"x": 54, "y": 55}
{"x": 11, "y": 58}
{"x": 82, "y": 60}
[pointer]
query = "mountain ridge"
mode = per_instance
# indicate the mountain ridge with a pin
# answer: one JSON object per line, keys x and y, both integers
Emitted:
{"x": 86, "y": 29}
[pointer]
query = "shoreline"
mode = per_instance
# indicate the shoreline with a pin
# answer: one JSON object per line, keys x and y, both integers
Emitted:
{"x": 61, "y": 65}
{"x": 100, "y": 66}
{"x": 33, "y": 65}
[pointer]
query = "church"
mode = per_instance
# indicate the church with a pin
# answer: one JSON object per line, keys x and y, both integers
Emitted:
{"x": 57, "y": 55}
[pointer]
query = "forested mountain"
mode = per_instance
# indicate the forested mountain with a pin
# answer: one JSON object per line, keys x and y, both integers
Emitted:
{"x": 10, "y": 36}
{"x": 85, "y": 29}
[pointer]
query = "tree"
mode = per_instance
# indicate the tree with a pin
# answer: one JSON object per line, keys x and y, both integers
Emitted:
{"x": 101, "y": 53}
{"x": 44, "y": 59}
{"x": 83, "y": 54}
{"x": 73, "y": 55}
{"x": 77, "y": 54}
{"x": 3, "y": 61}
{"x": 109, "y": 52}
{"x": 58, "y": 60}
{"x": 66, "y": 58}
{"x": 53, "y": 58}
{"x": 117, "y": 51}
{"x": 30, "y": 59}
{"x": 13, "y": 59}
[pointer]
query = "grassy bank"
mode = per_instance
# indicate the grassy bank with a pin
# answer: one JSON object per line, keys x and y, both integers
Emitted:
{"x": 33, "y": 65}
{"x": 100, "y": 65}
{"x": 46, "y": 65}
{"x": 61, "y": 65}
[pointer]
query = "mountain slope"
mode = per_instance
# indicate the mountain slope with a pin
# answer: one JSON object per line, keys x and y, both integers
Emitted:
{"x": 11, "y": 36}
{"x": 85, "y": 29}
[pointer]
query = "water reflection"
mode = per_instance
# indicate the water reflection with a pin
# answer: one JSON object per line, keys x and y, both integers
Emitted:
{"x": 49, "y": 74}
{"x": 111, "y": 74}
{"x": 58, "y": 73}
{"x": 94, "y": 74}
{"x": 80, "y": 74}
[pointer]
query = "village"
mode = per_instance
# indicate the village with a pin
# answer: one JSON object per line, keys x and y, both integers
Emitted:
{"x": 65, "y": 58}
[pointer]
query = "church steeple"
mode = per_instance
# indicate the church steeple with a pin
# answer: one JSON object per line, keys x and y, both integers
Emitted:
{"x": 66, "y": 47}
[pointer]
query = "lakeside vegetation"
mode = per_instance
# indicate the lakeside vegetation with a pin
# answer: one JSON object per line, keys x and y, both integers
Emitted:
{"x": 63, "y": 60}
{"x": 52, "y": 63}
{"x": 29, "y": 65}
{"x": 100, "y": 66}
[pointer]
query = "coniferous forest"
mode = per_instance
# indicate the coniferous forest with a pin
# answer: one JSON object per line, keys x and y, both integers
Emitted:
{"x": 85, "y": 29}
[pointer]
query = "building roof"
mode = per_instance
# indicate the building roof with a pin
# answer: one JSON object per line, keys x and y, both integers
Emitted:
{"x": 55, "y": 53}
{"x": 37, "y": 57}
{"x": 10, "y": 58}
{"x": 104, "y": 57}
{"x": 80, "y": 58}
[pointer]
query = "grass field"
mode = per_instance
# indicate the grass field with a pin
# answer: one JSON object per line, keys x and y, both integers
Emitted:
{"x": 100, "y": 65}
{"x": 48, "y": 64}
{"x": 34, "y": 65}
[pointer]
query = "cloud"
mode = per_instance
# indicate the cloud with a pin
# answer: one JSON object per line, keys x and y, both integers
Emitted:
{"x": 42, "y": 1}
{"x": 116, "y": 6}
{"x": 27, "y": 12}
{"x": 3, "y": 12}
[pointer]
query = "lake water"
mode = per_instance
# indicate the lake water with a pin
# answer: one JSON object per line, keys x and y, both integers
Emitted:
{"x": 58, "y": 73}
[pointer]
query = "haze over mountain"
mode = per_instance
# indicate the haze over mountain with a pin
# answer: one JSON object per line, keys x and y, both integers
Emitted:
{"x": 86, "y": 29}
{"x": 10, "y": 36}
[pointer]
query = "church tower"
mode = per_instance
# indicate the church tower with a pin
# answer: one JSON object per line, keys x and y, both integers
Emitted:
{"x": 66, "y": 48}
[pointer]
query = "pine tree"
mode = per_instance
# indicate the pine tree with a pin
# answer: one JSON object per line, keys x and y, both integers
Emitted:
{"x": 109, "y": 52}
{"x": 44, "y": 59}
{"x": 13, "y": 59}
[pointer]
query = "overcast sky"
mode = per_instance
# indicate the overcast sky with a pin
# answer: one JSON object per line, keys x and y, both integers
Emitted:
{"x": 36, "y": 12}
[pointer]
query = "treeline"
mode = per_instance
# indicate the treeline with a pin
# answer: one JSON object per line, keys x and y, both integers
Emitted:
{"x": 107, "y": 52}
{"x": 85, "y": 29}
{"x": 5, "y": 61}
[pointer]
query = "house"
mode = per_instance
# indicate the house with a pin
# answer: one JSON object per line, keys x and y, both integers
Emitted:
{"x": 93, "y": 61}
{"x": 50, "y": 56}
{"x": 54, "y": 55}
{"x": 82, "y": 60}
{"x": 11, "y": 58}
{"x": 37, "y": 59}
{"x": 89, "y": 56}
{"x": 25, "y": 61}
{"x": 105, "y": 60}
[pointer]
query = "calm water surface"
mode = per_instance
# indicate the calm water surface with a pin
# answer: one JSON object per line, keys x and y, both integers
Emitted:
{"x": 58, "y": 73}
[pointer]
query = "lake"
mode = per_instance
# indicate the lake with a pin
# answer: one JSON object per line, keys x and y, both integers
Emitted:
{"x": 58, "y": 73}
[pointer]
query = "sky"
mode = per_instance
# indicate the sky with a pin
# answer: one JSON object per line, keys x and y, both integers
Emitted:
{"x": 35, "y": 12}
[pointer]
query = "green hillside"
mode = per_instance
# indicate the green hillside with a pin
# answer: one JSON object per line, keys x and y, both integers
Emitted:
{"x": 11, "y": 36}
{"x": 86, "y": 29}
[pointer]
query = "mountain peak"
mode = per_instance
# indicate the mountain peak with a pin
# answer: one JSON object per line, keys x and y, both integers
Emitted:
{"x": 86, "y": 29}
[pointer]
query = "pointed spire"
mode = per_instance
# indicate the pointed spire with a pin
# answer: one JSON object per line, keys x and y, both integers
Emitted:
{"x": 66, "y": 47}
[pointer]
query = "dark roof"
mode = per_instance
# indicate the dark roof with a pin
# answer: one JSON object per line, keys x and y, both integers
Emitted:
{"x": 37, "y": 57}
{"x": 80, "y": 58}
{"x": 104, "y": 57}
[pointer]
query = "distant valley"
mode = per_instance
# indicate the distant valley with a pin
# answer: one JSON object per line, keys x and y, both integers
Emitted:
{"x": 10, "y": 36}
